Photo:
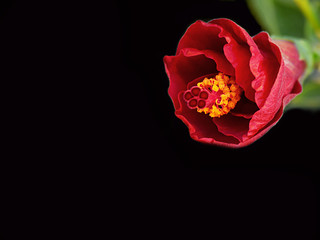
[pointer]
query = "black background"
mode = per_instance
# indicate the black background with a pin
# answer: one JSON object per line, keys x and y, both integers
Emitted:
{"x": 89, "y": 109}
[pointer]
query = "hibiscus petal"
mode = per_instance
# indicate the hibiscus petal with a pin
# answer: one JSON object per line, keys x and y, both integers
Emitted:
{"x": 201, "y": 127}
{"x": 294, "y": 65}
{"x": 242, "y": 52}
{"x": 243, "y": 74}
{"x": 297, "y": 88}
{"x": 248, "y": 140}
{"x": 269, "y": 67}
{"x": 223, "y": 65}
{"x": 244, "y": 108}
{"x": 199, "y": 79}
{"x": 184, "y": 68}
{"x": 285, "y": 88}
{"x": 231, "y": 125}
{"x": 204, "y": 36}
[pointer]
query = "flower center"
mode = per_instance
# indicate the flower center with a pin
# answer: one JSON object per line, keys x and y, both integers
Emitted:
{"x": 214, "y": 96}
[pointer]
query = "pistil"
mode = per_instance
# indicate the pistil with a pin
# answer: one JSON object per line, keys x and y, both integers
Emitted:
{"x": 214, "y": 96}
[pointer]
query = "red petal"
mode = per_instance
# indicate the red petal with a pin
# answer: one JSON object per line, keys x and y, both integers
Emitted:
{"x": 242, "y": 52}
{"x": 223, "y": 65}
{"x": 231, "y": 125}
{"x": 184, "y": 68}
{"x": 285, "y": 88}
{"x": 201, "y": 127}
{"x": 199, "y": 79}
{"x": 295, "y": 67}
{"x": 244, "y": 108}
{"x": 249, "y": 140}
{"x": 204, "y": 36}
{"x": 269, "y": 67}
{"x": 201, "y": 35}
{"x": 297, "y": 88}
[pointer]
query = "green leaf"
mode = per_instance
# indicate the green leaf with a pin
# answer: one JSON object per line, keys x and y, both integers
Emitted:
{"x": 278, "y": 17}
{"x": 309, "y": 98}
{"x": 310, "y": 10}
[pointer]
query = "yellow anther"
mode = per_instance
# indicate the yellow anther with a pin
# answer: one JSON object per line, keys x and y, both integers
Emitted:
{"x": 233, "y": 88}
{"x": 223, "y": 97}
{"x": 225, "y": 93}
{"x": 221, "y": 85}
{"x": 231, "y": 104}
{"x": 219, "y": 76}
{"x": 225, "y": 109}
{"x": 215, "y": 88}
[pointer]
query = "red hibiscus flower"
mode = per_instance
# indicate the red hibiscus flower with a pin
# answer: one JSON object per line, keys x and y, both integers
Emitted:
{"x": 230, "y": 88}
